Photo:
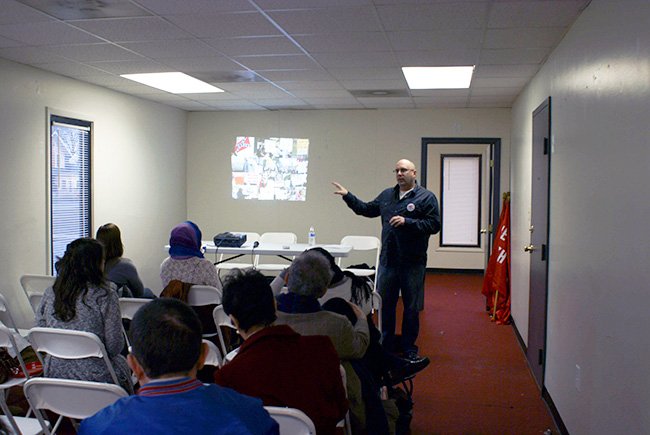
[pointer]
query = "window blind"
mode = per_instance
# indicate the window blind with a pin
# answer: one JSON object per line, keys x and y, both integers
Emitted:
{"x": 69, "y": 183}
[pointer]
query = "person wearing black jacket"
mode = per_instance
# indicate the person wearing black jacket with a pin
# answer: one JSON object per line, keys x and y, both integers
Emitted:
{"x": 409, "y": 215}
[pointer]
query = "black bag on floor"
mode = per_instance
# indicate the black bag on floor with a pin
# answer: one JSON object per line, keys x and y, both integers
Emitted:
{"x": 404, "y": 404}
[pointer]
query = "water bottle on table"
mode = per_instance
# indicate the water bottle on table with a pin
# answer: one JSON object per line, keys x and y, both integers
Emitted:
{"x": 311, "y": 237}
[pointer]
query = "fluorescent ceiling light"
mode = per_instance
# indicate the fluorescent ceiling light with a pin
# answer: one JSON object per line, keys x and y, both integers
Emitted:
{"x": 174, "y": 82}
{"x": 439, "y": 77}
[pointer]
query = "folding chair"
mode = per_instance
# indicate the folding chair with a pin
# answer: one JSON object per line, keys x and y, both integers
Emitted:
{"x": 376, "y": 307}
{"x": 345, "y": 423}
{"x": 128, "y": 308}
{"x": 70, "y": 344}
{"x": 229, "y": 265}
{"x": 4, "y": 307}
{"x": 69, "y": 398}
{"x": 364, "y": 243}
{"x": 214, "y": 356}
{"x": 278, "y": 239}
{"x": 203, "y": 298}
{"x": 221, "y": 319}
{"x": 34, "y": 286}
{"x": 292, "y": 421}
{"x": 18, "y": 425}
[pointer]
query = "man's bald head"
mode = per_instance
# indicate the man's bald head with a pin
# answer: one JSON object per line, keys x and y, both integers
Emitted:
{"x": 405, "y": 174}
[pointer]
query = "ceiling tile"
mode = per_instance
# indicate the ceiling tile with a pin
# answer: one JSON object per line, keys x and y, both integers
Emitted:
{"x": 438, "y": 57}
{"x": 366, "y": 73}
{"x": 535, "y": 13}
{"x": 6, "y": 42}
{"x": 132, "y": 29}
{"x": 344, "y": 42}
{"x": 328, "y": 20}
{"x": 365, "y": 84}
{"x": 234, "y": 105}
{"x": 436, "y": 40}
{"x": 277, "y": 62}
{"x": 93, "y": 52}
{"x": 519, "y": 70}
{"x": 513, "y": 56}
{"x": 313, "y": 86}
{"x": 297, "y": 75}
{"x": 70, "y": 69}
{"x": 439, "y": 16}
{"x": 14, "y": 12}
{"x": 46, "y": 33}
{"x": 202, "y": 7}
{"x": 498, "y": 82}
{"x": 225, "y": 25}
{"x": 244, "y": 46}
{"x": 170, "y": 48}
{"x": 296, "y": 4}
{"x": 540, "y": 37}
{"x": 387, "y": 103}
{"x": 201, "y": 64}
{"x": 130, "y": 67}
{"x": 29, "y": 55}
{"x": 357, "y": 59}
{"x": 320, "y": 93}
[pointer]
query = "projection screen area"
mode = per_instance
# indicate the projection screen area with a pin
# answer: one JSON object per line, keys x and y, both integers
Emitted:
{"x": 269, "y": 168}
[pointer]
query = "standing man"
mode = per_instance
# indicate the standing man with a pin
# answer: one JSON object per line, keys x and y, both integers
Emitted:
{"x": 409, "y": 215}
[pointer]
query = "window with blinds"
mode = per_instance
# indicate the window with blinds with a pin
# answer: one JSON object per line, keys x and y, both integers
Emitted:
{"x": 69, "y": 183}
{"x": 460, "y": 203}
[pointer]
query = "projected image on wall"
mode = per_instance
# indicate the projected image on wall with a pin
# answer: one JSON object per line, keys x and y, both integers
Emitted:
{"x": 273, "y": 168}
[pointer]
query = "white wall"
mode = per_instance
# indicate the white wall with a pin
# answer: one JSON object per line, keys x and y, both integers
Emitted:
{"x": 139, "y": 171}
{"x": 358, "y": 148}
{"x": 599, "y": 274}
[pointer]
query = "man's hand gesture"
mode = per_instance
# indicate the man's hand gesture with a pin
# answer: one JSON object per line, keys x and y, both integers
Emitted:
{"x": 340, "y": 190}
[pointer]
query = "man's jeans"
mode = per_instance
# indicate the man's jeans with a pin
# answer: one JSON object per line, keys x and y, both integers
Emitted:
{"x": 409, "y": 279}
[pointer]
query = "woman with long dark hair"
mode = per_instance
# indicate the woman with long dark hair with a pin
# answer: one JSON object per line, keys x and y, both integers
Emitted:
{"x": 118, "y": 269}
{"x": 82, "y": 299}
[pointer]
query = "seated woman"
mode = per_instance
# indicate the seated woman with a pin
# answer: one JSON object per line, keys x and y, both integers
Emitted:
{"x": 82, "y": 299}
{"x": 275, "y": 363}
{"x": 118, "y": 269}
{"x": 186, "y": 262}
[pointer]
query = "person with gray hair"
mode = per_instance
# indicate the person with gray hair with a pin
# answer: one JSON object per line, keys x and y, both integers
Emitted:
{"x": 310, "y": 275}
{"x": 307, "y": 279}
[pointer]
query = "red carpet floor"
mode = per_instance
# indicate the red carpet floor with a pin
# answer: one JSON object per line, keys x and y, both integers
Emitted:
{"x": 478, "y": 382}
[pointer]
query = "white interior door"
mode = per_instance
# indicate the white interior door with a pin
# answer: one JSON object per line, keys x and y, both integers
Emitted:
{"x": 459, "y": 257}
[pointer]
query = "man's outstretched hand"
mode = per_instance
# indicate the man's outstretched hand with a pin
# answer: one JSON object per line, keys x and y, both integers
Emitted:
{"x": 340, "y": 190}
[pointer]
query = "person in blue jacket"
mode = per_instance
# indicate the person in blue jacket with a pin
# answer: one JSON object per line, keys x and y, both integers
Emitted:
{"x": 409, "y": 215}
{"x": 167, "y": 351}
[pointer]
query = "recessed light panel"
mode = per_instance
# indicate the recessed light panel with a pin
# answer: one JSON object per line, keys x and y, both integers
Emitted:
{"x": 442, "y": 77}
{"x": 174, "y": 82}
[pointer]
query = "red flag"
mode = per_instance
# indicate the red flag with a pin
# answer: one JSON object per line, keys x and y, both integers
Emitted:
{"x": 496, "y": 283}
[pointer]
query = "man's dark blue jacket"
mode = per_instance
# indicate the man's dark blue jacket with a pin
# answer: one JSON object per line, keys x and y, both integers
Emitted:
{"x": 407, "y": 243}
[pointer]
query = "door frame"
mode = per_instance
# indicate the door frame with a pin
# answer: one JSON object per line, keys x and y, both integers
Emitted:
{"x": 494, "y": 178}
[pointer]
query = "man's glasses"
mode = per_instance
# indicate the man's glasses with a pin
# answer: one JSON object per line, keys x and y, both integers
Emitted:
{"x": 401, "y": 171}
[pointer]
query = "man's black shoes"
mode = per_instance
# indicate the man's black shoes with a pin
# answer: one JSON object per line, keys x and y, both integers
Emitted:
{"x": 415, "y": 358}
{"x": 411, "y": 364}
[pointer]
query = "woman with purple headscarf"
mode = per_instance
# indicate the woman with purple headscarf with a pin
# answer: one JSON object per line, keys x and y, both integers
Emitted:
{"x": 186, "y": 262}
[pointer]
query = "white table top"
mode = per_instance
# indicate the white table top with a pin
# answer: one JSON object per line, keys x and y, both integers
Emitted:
{"x": 276, "y": 249}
